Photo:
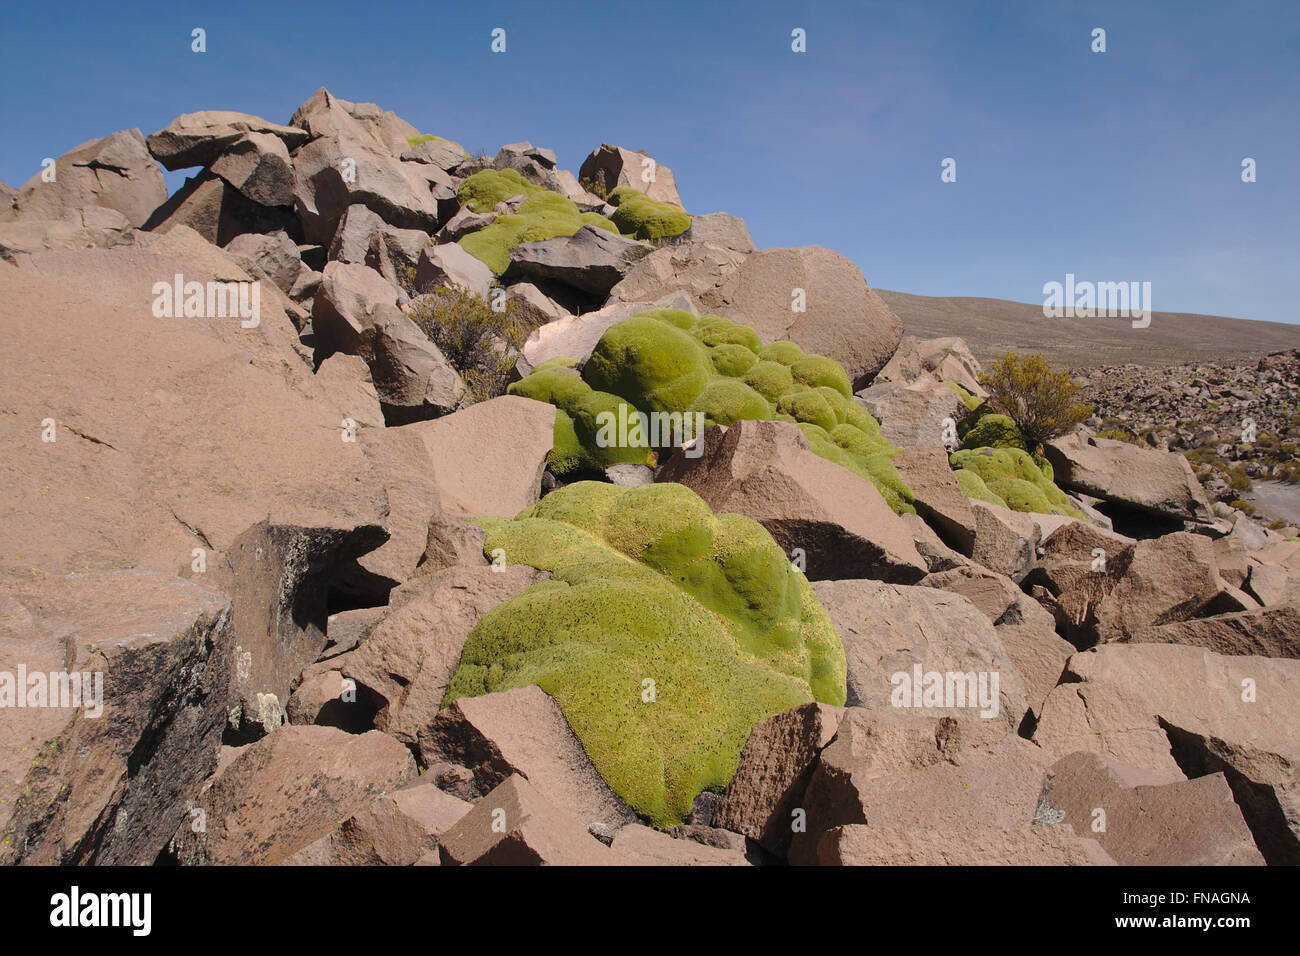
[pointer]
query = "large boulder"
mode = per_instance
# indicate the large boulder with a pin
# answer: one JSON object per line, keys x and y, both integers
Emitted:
{"x": 592, "y": 259}
{"x": 1142, "y": 822}
{"x": 1158, "y": 482}
{"x": 842, "y": 317}
{"x": 937, "y": 494}
{"x": 1184, "y": 712}
{"x": 523, "y": 732}
{"x": 693, "y": 267}
{"x": 258, "y": 165}
{"x": 450, "y": 265}
{"x": 104, "y": 776}
{"x": 612, "y": 166}
{"x": 275, "y": 797}
{"x": 858, "y": 845}
{"x": 197, "y": 139}
{"x": 115, "y": 172}
{"x": 218, "y": 211}
{"x": 401, "y": 671}
{"x": 93, "y": 226}
{"x": 575, "y": 336}
{"x": 898, "y": 638}
{"x": 915, "y": 414}
{"x": 768, "y": 472}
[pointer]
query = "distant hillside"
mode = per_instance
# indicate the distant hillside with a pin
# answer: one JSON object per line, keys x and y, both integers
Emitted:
{"x": 994, "y": 326}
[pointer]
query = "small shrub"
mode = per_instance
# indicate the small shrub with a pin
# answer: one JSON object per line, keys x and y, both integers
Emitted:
{"x": 1240, "y": 505}
{"x": 1037, "y": 397}
{"x": 1238, "y": 479}
{"x": 479, "y": 342}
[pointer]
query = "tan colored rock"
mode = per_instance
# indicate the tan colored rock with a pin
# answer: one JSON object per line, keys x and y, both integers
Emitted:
{"x": 613, "y": 166}
{"x": 286, "y": 791}
{"x": 523, "y": 732}
{"x": 914, "y": 414}
{"x": 403, "y": 668}
{"x": 1266, "y": 631}
{"x": 775, "y": 766}
{"x": 592, "y": 260}
{"x": 1189, "y": 823}
{"x": 647, "y": 847}
{"x": 515, "y": 825}
{"x": 925, "y": 470}
{"x": 346, "y": 379}
{"x": 197, "y": 139}
{"x": 889, "y": 631}
{"x": 450, "y": 265}
{"x": 217, "y": 211}
{"x": 697, "y": 269}
{"x": 115, "y": 172}
{"x": 843, "y": 319}
{"x": 81, "y": 229}
{"x": 1161, "y": 483}
{"x": 1005, "y": 541}
{"x": 857, "y": 845}
{"x": 576, "y": 336}
{"x": 397, "y": 829}
{"x": 1179, "y": 711}
{"x": 258, "y": 165}
{"x": 768, "y": 472}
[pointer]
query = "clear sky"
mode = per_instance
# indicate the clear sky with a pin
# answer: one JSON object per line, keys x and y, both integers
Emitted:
{"x": 1115, "y": 166}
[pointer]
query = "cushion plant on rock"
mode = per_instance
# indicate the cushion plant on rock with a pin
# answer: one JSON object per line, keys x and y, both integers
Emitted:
{"x": 1013, "y": 477}
{"x": 669, "y": 361}
{"x": 664, "y": 633}
{"x": 644, "y": 218}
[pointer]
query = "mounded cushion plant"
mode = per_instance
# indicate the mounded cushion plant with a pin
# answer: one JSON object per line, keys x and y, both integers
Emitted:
{"x": 1013, "y": 477}
{"x": 668, "y": 360}
{"x": 664, "y": 633}
{"x": 641, "y": 217}
{"x": 542, "y": 215}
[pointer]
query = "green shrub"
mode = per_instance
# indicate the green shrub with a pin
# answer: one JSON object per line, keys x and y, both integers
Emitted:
{"x": 641, "y": 217}
{"x": 414, "y": 141}
{"x": 664, "y": 634}
{"x": 1037, "y": 397}
{"x": 1245, "y": 506}
{"x": 479, "y": 343}
{"x": 1013, "y": 476}
{"x": 667, "y": 360}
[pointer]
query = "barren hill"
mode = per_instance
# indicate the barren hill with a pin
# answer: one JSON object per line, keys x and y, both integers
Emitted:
{"x": 994, "y": 326}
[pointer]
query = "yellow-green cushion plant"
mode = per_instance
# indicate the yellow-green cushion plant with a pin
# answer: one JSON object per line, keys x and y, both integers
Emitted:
{"x": 664, "y": 633}
{"x": 640, "y": 216}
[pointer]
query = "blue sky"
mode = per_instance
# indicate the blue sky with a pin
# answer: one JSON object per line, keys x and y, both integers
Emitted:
{"x": 1115, "y": 167}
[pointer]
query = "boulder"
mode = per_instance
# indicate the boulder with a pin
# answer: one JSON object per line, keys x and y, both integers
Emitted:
{"x": 534, "y": 307}
{"x": 1157, "y": 482}
{"x": 1266, "y": 631}
{"x": 722, "y": 231}
{"x": 647, "y": 847}
{"x": 515, "y": 825}
{"x": 592, "y": 259}
{"x": 198, "y": 139}
{"x": 768, "y": 472}
{"x": 396, "y": 829}
{"x": 115, "y": 172}
{"x": 938, "y": 497}
{"x": 402, "y": 669}
{"x": 258, "y": 165}
{"x": 842, "y": 318}
{"x": 858, "y": 845}
{"x": 950, "y": 359}
{"x": 346, "y": 379}
{"x": 218, "y": 212}
{"x": 915, "y": 414}
{"x": 1188, "y": 823}
{"x": 1180, "y": 712}
{"x": 893, "y": 634}
{"x": 350, "y": 304}
{"x": 612, "y": 166}
{"x": 273, "y": 255}
{"x": 522, "y": 732}
{"x": 93, "y": 226}
{"x": 695, "y": 268}
{"x": 1005, "y": 541}
{"x": 436, "y": 152}
{"x": 774, "y": 770}
{"x": 277, "y": 796}
{"x": 451, "y": 265}
{"x": 104, "y": 776}
{"x": 1271, "y": 585}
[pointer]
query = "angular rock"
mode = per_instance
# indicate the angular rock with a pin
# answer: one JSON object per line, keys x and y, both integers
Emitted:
{"x": 106, "y": 780}
{"x": 451, "y": 265}
{"x": 857, "y": 845}
{"x": 218, "y": 212}
{"x": 1181, "y": 712}
{"x": 889, "y": 631}
{"x": 93, "y": 226}
{"x": 775, "y": 767}
{"x": 592, "y": 259}
{"x": 273, "y": 255}
{"x": 695, "y": 268}
{"x": 938, "y": 497}
{"x": 915, "y": 414}
{"x": 258, "y": 165}
{"x": 768, "y": 471}
{"x": 1189, "y": 823}
{"x": 403, "y": 668}
{"x": 514, "y": 825}
{"x": 722, "y": 231}
{"x": 115, "y": 172}
{"x": 348, "y": 307}
{"x": 1265, "y": 631}
{"x": 523, "y": 732}
{"x": 1005, "y": 541}
{"x": 613, "y": 166}
{"x": 346, "y": 379}
{"x": 197, "y": 139}
{"x": 1160, "y": 483}
{"x": 286, "y": 791}
{"x": 649, "y": 847}
{"x": 576, "y": 336}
